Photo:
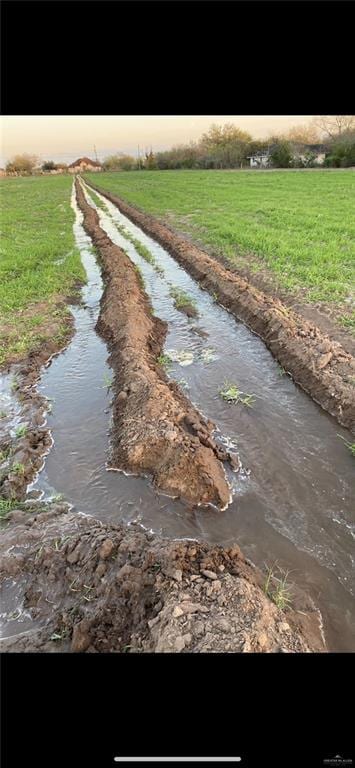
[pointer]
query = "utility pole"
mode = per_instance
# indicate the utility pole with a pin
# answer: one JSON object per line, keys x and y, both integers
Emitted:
{"x": 95, "y": 154}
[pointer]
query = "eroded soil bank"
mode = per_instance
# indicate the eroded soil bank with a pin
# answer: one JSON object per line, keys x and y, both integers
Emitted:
{"x": 156, "y": 430}
{"x": 93, "y": 587}
{"x": 24, "y": 438}
{"x": 321, "y": 366}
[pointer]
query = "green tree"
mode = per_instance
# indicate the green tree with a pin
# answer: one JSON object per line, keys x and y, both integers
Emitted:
{"x": 225, "y": 146}
{"x": 280, "y": 154}
{"x": 48, "y": 165}
{"x": 342, "y": 152}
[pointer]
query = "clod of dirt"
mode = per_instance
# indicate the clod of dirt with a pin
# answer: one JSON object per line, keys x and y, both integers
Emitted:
{"x": 150, "y": 434}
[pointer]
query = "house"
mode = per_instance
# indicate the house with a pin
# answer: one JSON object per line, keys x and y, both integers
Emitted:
{"x": 84, "y": 164}
{"x": 2, "y": 172}
{"x": 310, "y": 152}
{"x": 303, "y": 154}
{"x": 260, "y": 159}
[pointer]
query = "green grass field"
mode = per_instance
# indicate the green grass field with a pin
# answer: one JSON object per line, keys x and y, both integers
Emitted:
{"x": 39, "y": 262}
{"x": 300, "y": 226}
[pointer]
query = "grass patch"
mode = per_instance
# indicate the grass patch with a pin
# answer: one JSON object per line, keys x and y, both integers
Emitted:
{"x": 18, "y": 468}
{"x": 298, "y": 225}
{"x": 100, "y": 203}
{"x": 276, "y": 586}
{"x": 139, "y": 275}
{"x": 348, "y": 321}
{"x": 350, "y": 446}
{"x": 6, "y": 506}
{"x": 164, "y": 360}
{"x": 231, "y": 394}
{"x": 181, "y": 298}
{"x": 39, "y": 263}
{"x": 142, "y": 250}
{"x": 21, "y": 431}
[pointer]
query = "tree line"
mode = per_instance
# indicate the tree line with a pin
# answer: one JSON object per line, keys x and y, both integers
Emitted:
{"x": 228, "y": 146}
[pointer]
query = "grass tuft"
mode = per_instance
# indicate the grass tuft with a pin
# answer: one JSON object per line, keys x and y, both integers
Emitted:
{"x": 350, "y": 446}
{"x": 182, "y": 300}
{"x": 276, "y": 586}
{"x": 21, "y": 431}
{"x": 232, "y": 394}
{"x": 164, "y": 360}
{"x": 18, "y": 468}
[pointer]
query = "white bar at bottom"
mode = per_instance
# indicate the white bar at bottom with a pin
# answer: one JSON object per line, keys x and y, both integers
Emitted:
{"x": 177, "y": 759}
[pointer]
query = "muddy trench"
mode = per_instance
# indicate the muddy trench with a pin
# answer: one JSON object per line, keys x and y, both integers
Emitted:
{"x": 278, "y": 467}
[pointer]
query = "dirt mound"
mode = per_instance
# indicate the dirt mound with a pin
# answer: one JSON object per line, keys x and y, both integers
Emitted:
{"x": 94, "y": 587}
{"x": 319, "y": 365}
{"x": 156, "y": 429}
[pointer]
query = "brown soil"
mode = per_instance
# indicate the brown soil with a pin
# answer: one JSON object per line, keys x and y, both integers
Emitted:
{"x": 156, "y": 429}
{"x": 318, "y": 363}
{"x": 93, "y": 587}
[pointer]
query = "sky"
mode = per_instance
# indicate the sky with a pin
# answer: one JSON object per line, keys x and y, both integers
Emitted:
{"x": 64, "y": 138}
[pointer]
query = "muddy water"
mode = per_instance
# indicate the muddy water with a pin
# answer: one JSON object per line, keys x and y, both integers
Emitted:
{"x": 293, "y": 500}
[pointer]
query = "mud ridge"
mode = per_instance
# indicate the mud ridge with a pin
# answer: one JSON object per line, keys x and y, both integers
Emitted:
{"x": 320, "y": 365}
{"x": 156, "y": 430}
{"x": 94, "y": 587}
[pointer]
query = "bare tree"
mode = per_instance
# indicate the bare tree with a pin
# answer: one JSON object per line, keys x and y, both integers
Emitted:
{"x": 334, "y": 126}
{"x": 22, "y": 164}
{"x": 303, "y": 134}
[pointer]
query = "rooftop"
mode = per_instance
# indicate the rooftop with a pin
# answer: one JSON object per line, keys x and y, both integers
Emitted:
{"x": 85, "y": 160}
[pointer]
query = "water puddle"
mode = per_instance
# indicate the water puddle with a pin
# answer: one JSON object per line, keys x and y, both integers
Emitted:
{"x": 293, "y": 500}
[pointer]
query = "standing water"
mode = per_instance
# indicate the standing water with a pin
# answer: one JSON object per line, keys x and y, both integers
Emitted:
{"x": 293, "y": 500}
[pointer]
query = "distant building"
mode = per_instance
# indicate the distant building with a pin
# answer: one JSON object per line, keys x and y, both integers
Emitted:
{"x": 84, "y": 164}
{"x": 260, "y": 159}
{"x": 2, "y": 172}
{"x": 302, "y": 153}
{"x": 315, "y": 152}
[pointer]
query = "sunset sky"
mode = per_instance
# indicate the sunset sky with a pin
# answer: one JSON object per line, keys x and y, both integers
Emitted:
{"x": 66, "y": 138}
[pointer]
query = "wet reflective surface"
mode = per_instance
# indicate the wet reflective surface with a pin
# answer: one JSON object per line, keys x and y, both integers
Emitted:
{"x": 293, "y": 501}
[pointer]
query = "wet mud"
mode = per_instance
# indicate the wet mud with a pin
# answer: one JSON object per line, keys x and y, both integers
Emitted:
{"x": 85, "y": 586}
